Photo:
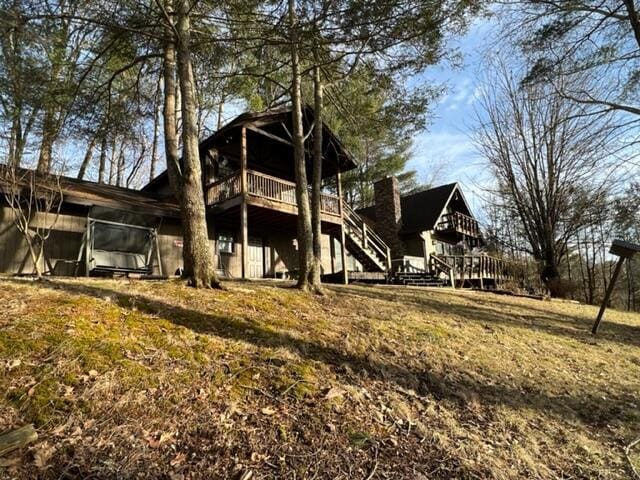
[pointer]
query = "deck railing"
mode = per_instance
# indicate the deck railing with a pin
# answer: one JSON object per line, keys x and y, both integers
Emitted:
{"x": 367, "y": 238}
{"x": 223, "y": 189}
{"x": 264, "y": 186}
{"x": 273, "y": 188}
{"x": 460, "y": 223}
{"x": 469, "y": 267}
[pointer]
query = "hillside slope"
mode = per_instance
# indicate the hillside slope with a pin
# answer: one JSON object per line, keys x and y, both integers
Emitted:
{"x": 155, "y": 380}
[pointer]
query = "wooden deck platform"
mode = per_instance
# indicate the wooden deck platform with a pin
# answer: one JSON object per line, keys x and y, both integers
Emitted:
{"x": 267, "y": 192}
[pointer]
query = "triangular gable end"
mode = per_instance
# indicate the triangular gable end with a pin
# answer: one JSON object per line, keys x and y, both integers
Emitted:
{"x": 452, "y": 196}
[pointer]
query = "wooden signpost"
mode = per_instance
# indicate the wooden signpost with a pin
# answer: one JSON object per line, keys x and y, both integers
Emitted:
{"x": 623, "y": 250}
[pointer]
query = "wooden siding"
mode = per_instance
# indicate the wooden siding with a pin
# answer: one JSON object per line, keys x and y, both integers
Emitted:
{"x": 62, "y": 245}
{"x": 281, "y": 254}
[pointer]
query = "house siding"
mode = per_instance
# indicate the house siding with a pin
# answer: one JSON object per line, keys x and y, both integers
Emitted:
{"x": 62, "y": 248}
{"x": 63, "y": 245}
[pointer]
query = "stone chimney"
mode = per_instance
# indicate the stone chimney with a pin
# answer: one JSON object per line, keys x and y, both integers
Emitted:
{"x": 389, "y": 214}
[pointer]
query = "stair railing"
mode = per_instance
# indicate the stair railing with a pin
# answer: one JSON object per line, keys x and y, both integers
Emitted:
{"x": 439, "y": 265}
{"x": 366, "y": 236}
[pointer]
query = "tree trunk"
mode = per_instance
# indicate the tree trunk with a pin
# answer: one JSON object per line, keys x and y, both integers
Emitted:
{"x": 35, "y": 257}
{"x": 120, "y": 166}
{"x": 550, "y": 274}
{"x": 305, "y": 256}
{"x": 49, "y": 135}
{"x": 17, "y": 140}
{"x": 197, "y": 251}
{"x": 103, "y": 159}
{"x": 316, "y": 193}
{"x": 87, "y": 157}
{"x": 170, "y": 122}
{"x": 112, "y": 162}
{"x": 154, "y": 145}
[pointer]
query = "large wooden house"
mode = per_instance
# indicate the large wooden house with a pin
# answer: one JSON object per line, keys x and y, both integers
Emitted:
{"x": 249, "y": 190}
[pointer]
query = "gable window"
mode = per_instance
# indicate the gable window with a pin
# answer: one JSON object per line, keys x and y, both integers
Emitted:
{"x": 225, "y": 242}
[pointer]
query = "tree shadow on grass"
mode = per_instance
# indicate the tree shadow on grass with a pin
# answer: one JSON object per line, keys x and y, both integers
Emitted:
{"x": 456, "y": 386}
{"x": 493, "y": 312}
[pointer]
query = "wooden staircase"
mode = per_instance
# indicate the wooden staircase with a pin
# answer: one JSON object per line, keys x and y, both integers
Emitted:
{"x": 365, "y": 244}
{"x": 421, "y": 279}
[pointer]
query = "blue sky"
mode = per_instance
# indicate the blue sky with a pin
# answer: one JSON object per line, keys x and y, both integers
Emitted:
{"x": 445, "y": 153}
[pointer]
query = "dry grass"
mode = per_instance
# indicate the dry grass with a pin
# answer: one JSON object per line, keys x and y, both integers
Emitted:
{"x": 156, "y": 380}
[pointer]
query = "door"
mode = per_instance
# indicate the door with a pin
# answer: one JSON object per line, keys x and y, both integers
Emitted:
{"x": 256, "y": 258}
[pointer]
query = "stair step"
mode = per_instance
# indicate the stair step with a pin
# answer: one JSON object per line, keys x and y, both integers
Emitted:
{"x": 423, "y": 283}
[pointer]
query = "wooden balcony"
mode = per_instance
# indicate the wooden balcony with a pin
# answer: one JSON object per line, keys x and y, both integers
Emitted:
{"x": 458, "y": 223}
{"x": 266, "y": 191}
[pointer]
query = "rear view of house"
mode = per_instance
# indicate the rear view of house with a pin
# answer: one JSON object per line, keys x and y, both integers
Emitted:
{"x": 251, "y": 209}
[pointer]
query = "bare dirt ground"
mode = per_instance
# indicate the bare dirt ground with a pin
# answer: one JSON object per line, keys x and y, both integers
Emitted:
{"x": 140, "y": 379}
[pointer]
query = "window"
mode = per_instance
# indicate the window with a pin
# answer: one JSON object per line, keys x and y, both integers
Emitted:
{"x": 225, "y": 243}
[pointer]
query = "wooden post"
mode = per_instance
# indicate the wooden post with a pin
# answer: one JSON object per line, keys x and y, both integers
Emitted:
{"x": 389, "y": 259}
{"x": 426, "y": 238}
{"x": 332, "y": 249}
{"x": 607, "y": 295}
{"x": 158, "y": 257}
{"x": 343, "y": 250}
{"x": 243, "y": 161}
{"x": 364, "y": 235}
{"x": 87, "y": 249}
{"x": 244, "y": 228}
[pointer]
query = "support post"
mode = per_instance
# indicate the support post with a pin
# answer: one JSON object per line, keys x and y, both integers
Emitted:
{"x": 88, "y": 249}
{"x": 244, "y": 228}
{"x": 158, "y": 257}
{"x": 389, "y": 265}
{"x": 81, "y": 251}
{"x": 364, "y": 236}
{"x": 607, "y": 295}
{"x": 332, "y": 249}
{"x": 343, "y": 249}
{"x": 452, "y": 275}
{"x": 426, "y": 237}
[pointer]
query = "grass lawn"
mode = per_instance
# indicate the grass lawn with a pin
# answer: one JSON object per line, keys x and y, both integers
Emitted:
{"x": 141, "y": 379}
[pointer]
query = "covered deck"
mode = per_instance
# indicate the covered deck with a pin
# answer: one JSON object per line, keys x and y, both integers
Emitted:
{"x": 248, "y": 174}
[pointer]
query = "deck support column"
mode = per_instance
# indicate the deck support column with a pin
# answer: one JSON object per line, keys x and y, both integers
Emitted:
{"x": 343, "y": 250}
{"x": 244, "y": 228}
{"x": 87, "y": 249}
{"x": 426, "y": 241}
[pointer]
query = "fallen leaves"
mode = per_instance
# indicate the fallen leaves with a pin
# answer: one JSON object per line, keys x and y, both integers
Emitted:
{"x": 178, "y": 460}
{"x": 42, "y": 453}
{"x": 228, "y": 406}
{"x": 155, "y": 440}
{"x": 334, "y": 392}
{"x": 267, "y": 411}
{"x": 12, "y": 364}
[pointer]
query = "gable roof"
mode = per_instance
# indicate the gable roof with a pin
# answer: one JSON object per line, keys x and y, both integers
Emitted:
{"x": 278, "y": 115}
{"x": 421, "y": 210}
